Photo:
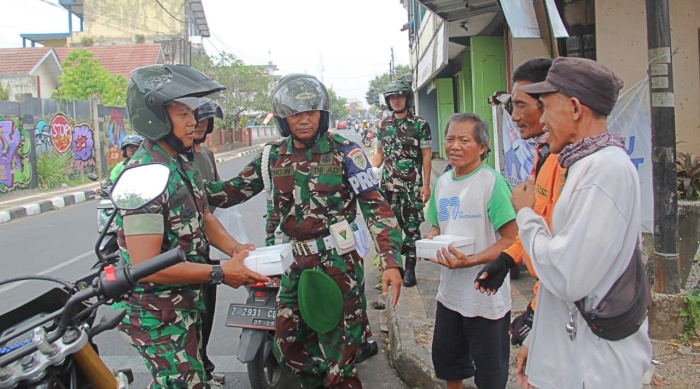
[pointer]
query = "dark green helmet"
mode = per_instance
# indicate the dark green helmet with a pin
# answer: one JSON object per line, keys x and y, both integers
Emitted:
{"x": 399, "y": 87}
{"x": 153, "y": 86}
{"x": 297, "y": 93}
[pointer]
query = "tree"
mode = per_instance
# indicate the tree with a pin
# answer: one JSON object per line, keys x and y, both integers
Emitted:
{"x": 4, "y": 92}
{"x": 377, "y": 85}
{"x": 83, "y": 76}
{"x": 338, "y": 110}
{"x": 247, "y": 86}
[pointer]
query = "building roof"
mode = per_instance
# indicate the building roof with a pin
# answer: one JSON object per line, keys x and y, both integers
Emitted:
{"x": 120, "y": 59}
{"x": 24, "y": 60}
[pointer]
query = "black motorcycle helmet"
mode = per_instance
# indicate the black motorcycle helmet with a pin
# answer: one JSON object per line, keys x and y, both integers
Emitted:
{"x": 398, "y": 87}
{"x": 131, "y": 140}
{"x": 153, "y": 87}
{"x": 208, "y": 110}
{"x": 297, "y": 93}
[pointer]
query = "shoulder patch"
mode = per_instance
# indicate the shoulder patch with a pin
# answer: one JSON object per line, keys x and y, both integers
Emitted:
{"x": 358, "y": 170}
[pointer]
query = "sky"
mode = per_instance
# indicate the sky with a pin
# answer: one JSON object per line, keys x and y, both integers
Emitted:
{"x": 344, "y": 43}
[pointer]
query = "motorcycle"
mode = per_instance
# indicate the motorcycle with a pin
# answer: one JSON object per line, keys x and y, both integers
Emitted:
{"x": 105, "y": 208}
{"x": 367, "y": 137}
{"x": 256, "y": 318}
{"x": 48, "y": 341}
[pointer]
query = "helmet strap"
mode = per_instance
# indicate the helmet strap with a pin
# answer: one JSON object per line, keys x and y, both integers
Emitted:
{"x": 178, "y": 146}
{"x": 310, "y": 142}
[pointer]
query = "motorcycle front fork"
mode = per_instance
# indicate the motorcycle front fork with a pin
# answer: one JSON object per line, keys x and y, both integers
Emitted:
{"x": 97, "y": 372}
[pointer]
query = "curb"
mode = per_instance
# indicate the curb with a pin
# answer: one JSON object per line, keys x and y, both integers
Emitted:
{"x": 413, "y": 363}
{"x": 239, "y": 154}
{"x": 46, "y": 205}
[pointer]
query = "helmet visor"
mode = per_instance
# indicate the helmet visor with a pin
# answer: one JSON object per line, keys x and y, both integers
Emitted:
{"x": 300, "y": 95}
{"x": 193, "y": 103}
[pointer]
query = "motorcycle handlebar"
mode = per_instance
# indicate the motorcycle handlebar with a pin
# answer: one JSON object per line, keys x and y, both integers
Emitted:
{"x": 157, "y": 263}
{"x": 113, "y": 282}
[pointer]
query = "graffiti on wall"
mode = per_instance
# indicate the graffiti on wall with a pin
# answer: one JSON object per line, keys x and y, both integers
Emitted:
{"x": 60, "y": 135}
{"x": 15, "y": 167}
{"x": 83, "y": 146}
{"x": 116, "y": 131}
{"x": 42, "y": 137}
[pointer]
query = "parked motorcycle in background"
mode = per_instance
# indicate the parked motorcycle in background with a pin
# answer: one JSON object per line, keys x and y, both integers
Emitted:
{"x": 48, "y": 342}
{"x": 105, "y": 209}
{"x": 256, "y": 317}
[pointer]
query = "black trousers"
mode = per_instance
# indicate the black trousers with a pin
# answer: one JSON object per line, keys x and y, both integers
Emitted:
{"x": 471, "y": 346}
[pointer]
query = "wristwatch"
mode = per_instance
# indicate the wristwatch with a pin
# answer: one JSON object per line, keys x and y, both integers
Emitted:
{"x": 216, "y": 276}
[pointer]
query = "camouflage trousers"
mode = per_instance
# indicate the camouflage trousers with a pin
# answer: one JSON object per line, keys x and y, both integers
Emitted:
{"x": 170, "y": 343}
{"x": 322, "y": 359}
{"x": 408, "y": 209}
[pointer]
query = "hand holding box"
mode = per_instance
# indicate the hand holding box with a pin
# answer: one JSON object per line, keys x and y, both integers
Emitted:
{"x": 428, "y": 248}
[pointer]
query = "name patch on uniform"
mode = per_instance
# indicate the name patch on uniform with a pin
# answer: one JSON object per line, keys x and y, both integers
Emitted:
{"x": 282, "y": 171}
{"x": 326, "y": 169}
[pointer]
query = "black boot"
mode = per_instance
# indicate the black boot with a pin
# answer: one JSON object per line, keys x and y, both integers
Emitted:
{"x": 409, "y": 275}
{"x": 366, "y": 350}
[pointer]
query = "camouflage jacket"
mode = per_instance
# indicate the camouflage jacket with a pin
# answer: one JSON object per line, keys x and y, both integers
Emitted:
{"x": 315, "y": 188}
{"x": 401, "y": 141}
{"x": 179, "y": 215}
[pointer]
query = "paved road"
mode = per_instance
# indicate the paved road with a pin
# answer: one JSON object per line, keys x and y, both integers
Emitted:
{"x": 60, "y": 244}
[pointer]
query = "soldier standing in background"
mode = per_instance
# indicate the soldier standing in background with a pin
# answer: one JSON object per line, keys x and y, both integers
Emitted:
{"x": 405, "y": 149}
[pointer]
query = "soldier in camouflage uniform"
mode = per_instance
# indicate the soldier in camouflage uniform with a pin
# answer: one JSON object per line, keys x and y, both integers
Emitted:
{"x": 163, "y": 320}
{"x": 318, "y": 179}
{"x": 404, "y": 146}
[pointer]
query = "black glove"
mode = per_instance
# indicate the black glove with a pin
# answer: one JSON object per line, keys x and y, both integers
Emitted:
{"x": 521, "y": 326}
{"x": 498, "y": 270}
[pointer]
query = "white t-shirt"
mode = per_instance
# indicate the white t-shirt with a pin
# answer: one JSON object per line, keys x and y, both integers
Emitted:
{"x": 475, "y": 205}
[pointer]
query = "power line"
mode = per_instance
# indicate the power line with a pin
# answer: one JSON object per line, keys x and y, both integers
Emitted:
{"x": 168, "y": 12}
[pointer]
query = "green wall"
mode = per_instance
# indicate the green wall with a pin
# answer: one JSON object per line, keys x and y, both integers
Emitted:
{"x": 445, "y": 107}
{"x": 483, "y": 72}
{"x": 488, "y": 65}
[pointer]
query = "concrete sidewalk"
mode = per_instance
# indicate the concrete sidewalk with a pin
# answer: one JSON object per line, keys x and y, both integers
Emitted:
{"x": 18, "y": 205}
{"x": 411, "y": 322}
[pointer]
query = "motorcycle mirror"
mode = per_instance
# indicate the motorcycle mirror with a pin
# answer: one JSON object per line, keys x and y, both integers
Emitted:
{"x": 138, "y": 185}
{"x": 92, "y": 176}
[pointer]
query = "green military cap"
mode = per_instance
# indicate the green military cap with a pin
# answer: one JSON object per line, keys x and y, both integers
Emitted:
{"x": 320, "y": 300}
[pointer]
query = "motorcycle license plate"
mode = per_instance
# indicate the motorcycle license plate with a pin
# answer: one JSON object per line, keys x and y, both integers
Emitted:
{"x": 250, "y": 316}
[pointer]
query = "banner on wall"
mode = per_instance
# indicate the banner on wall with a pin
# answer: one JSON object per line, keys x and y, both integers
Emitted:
{"x": 631, "y": 118}
{"x": 518, "y": 154}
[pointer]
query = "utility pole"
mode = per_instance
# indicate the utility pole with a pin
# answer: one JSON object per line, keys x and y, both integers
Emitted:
{"x": 185, "y": 57}
{"x": 391, "y": 66}
{"x": 663, "y": 141}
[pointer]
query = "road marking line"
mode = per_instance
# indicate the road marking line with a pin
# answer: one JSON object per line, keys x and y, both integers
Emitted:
{"x": 49, "y": 270}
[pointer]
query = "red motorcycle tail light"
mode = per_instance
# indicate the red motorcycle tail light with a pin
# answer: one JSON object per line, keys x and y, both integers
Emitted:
{"x": 260, "y": 293}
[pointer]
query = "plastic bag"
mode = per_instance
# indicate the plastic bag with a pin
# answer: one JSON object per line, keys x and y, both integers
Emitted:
{"x": 361, "y": 239}
{"x": 232, "y": 221}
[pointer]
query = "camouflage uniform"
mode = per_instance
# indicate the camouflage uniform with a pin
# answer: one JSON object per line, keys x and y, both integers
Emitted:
{"x": 401, "y": 141}
{"x": 313, "y": 189}
{"x": 163, "y": 322}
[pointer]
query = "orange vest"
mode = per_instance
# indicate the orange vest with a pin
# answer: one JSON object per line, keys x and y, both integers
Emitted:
{"x": 548, "y": 185}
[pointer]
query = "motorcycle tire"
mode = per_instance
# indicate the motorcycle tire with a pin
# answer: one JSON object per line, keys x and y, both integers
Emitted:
{"x": 266, "y": 373}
